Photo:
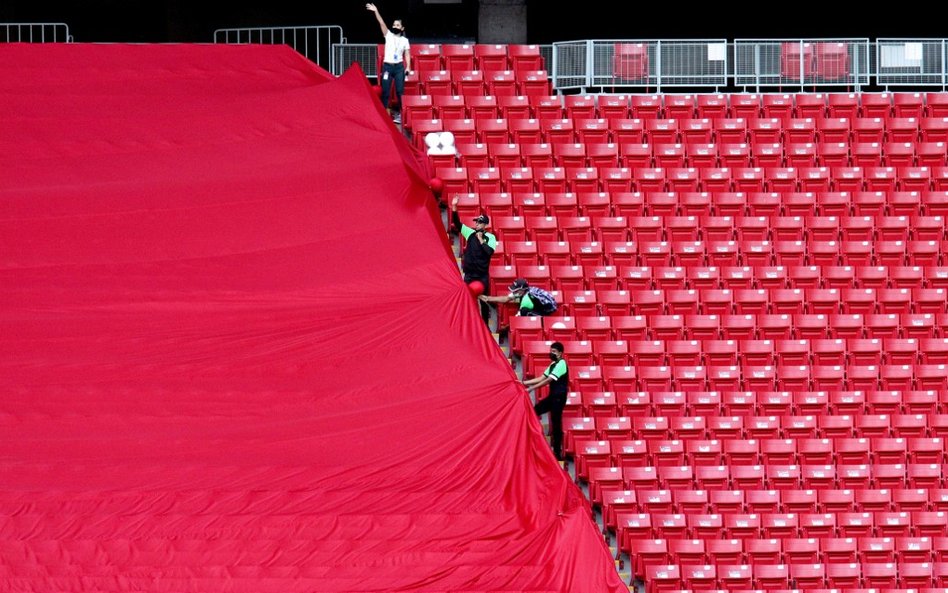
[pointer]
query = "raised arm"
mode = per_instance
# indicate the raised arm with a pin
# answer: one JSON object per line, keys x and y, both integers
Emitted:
{"x": 371, "y": 7}
{"x": 459, "y": 226}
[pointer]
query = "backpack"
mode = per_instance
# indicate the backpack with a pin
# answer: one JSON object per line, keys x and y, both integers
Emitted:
{"x": 543, "y": 301}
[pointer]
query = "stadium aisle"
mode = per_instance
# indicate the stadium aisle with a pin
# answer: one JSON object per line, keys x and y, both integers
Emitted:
{"x": 623, "y": 564}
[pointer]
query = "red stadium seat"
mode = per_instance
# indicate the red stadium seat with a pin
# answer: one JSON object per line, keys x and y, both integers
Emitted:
{"x": 811, "y": 105}
{"x": 614, "y": 106}
{"x": 630, "y": 63}
{"x": 643, "y": 106}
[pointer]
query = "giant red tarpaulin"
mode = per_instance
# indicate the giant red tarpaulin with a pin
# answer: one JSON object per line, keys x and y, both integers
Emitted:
{"x": 235, "y": 354}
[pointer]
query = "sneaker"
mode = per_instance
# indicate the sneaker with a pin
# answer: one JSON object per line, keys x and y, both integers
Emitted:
{"x": 397, "y": 118}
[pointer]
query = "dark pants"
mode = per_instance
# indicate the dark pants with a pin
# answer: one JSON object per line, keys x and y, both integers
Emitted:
{"x": 485, "y": 308}
{"x": 554, "y": 404}
{"x": 393, "y": 73}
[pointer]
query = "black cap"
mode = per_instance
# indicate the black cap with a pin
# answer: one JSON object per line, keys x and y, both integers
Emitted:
{"x": 519, "y": 284}
{"x": 483, "y": 218}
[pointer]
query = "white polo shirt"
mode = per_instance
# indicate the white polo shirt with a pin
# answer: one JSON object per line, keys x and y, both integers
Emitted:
{"x": 395, "y": 48}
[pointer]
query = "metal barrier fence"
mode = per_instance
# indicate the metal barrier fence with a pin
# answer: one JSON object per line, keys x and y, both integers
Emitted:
{"x": 35, "y": 33}
{"x": 652, "y": 64}
{"x": 365, "y": 55}
{"x": 802, "y": 63}
{"x": 756, "y": 65}
{"x": 910, "y": 62}
{"x": 314, "y": 42}
{"x": 571, "y": 67}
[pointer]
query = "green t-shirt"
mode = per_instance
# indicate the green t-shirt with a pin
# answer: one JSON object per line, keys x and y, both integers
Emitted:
{"x": 467, "y": 231}
{"x": 526, "y": 304}
{"x": 557, "y": 369}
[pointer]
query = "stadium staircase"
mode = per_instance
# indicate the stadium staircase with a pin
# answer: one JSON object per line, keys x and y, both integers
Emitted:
{"x": 753, "y": 292}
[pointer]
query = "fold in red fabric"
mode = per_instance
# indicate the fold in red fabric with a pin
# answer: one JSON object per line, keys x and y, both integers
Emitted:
{"x": 235, "y": 351}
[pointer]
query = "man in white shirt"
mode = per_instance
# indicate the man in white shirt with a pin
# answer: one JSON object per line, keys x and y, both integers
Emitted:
{"x": 396, "y": 61}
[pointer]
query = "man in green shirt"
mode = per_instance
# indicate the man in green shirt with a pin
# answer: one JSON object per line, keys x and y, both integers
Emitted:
{"x": 557, "y": 377}
{"x": 478, "y": 250}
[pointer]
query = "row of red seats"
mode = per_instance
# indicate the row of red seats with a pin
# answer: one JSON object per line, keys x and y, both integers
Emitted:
{"x": 471, "y": 56}
{"x": 547, "y": 106}
{"x": 594, "y": 414}
{"x": 558, "y": 179}
{"x": 566, "y": 225}
{"x": 599, "y": 256}
{"x": 827, "y": 362}
{"x": 626, "y": 378}
{"x": 551, "y": 263}
{"x": 780, "y": 105}
{"x": 515, "y": 108}
{"x": 829, "y": 253}
{"x": 600, "y": 260}
{"x": 604, "y": 234}
{"x": 601, "y": 405}
{"x": 478, "y": 83}
{"x": 624, "y": 430}
{"x": 557, "y": 124}
{"x": 751, "y": 376}
{"x": 616, "y": 165}
{"x": 611, "y": 497}
{"x": 700, "y": 295}
{"x": 725, "y": 212}
{"x": 811, "y": 452}
{"x": 695, "y": 502}
{"x": 893, "y": 524}
{"x": 806, "y": 451}
{"x": 554, "y": 129}
{"x": 785, "y": 107}
{"x": 604, "y": 315}
{"x": 759, "y": 327}
{"x": 605, "y": 155}
{"x": 699, "y": 552}
{"x": 526, "y": 115}
{"x": 873, "y": 577}
{"x": 818, "y": 352}
{"x": 897, "y": 225}
{"x": 771, "y": 476}
{"x": 715, "y": 208}
{"x": 725, "y": 301}
{"x": 822, "y": 590}
{"x": 607, "y": 301}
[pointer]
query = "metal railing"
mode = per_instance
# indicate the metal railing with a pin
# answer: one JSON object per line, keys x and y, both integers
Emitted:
{"x": 652, "y": 64}
{"x": 314, "y": 42}
{"x": 910, "y": 62}
{"x": 788, "y": 63}
{"x": 35, "y": 33}
{"x": 649, "y": 65}
{"x": 655, "y": 65}
{"x": 365, "y": 55}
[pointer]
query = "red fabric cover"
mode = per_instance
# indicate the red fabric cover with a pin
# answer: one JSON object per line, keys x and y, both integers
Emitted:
{"x": 234, "y": 351}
